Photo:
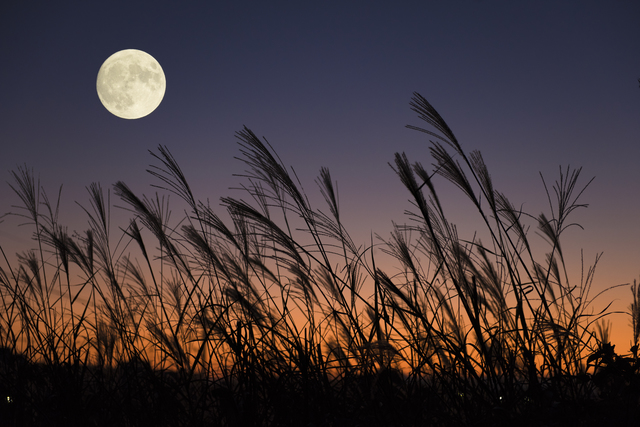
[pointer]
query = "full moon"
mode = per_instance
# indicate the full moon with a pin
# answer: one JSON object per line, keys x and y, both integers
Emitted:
{"x": 131, "y": 84}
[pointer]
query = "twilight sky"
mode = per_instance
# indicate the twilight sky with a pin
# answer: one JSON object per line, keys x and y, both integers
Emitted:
{"x": 532, "y": 85}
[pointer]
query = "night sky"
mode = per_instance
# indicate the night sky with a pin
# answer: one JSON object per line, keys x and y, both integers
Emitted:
{"x": 532, "y": 85}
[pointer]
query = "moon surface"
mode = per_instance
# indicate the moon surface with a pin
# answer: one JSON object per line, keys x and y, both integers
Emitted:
{"x": 131, "y": 84}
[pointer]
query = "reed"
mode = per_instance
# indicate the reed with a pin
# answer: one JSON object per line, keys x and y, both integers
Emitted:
{"x": 269, "y": 313}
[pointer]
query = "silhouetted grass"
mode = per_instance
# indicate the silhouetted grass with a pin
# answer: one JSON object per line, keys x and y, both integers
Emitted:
{"x": 273, "y": 315}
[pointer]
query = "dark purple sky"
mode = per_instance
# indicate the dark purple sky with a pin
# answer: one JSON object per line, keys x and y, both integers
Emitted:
{"x": 533, "y": 85}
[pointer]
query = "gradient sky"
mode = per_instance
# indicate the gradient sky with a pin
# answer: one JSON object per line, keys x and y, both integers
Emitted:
{"x": 532, "y": 85}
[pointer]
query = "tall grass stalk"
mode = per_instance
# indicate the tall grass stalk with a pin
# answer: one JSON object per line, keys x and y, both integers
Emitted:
{"x": 271, "y": 314}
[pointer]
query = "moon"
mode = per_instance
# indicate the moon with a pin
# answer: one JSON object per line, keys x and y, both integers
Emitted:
{"x": 131, "y": 84}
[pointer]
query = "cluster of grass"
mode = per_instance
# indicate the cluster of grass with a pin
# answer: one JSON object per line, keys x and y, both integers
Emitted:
{"x": 275, "y": 316}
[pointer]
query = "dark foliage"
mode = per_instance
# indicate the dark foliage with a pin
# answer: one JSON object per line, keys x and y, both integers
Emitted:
{"x": 269, "y": 314}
